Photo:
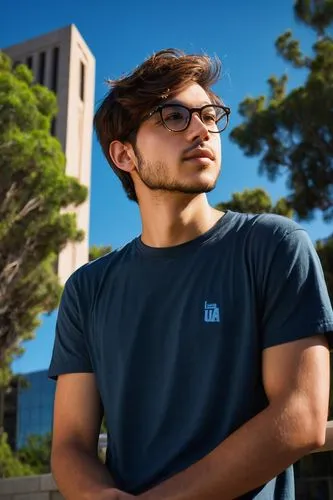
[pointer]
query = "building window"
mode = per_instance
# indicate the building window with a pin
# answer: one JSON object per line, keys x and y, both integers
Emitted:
{"x": 29, "y": 62}
{"x": 82, "y": 80}
{"x": 41, "y": 70}
{"x": 55, "y": 64}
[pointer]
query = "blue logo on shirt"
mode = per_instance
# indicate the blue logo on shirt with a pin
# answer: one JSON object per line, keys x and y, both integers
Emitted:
{"x": 212, "y": 313}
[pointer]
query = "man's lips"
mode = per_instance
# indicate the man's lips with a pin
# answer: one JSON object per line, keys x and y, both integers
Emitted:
{"x": 200, "y": 153}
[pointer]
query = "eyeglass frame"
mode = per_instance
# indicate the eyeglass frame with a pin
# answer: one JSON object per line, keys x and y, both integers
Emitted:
{"x": 160, "y": 107}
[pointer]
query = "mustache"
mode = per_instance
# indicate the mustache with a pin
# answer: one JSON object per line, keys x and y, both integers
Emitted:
{"x": 196, "y": 147}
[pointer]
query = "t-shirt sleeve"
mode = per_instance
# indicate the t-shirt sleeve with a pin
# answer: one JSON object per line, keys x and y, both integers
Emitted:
{"x": 70, "y": 353}
{"x": 296, "y": 300}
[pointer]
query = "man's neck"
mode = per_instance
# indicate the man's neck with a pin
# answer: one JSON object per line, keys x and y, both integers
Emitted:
{"x": 178, "y": 221}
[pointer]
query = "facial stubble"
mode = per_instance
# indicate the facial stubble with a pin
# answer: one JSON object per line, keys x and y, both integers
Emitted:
{"x": 156, "y": 176}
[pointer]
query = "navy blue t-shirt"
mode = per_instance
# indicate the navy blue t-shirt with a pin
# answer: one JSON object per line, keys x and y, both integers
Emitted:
{"x": 175, "y": 337}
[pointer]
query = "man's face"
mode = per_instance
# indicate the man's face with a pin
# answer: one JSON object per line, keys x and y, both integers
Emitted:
{"x": 183, "y": 162}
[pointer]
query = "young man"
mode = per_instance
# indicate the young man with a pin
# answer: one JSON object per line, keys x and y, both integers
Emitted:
{"x": 205, "y": 340}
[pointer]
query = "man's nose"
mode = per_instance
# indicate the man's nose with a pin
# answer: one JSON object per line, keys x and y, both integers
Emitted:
{"x": 197, "y": 129}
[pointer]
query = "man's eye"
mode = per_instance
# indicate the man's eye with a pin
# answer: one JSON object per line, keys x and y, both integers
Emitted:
{"x": 209, "y": 118}
{"x": 174, "y": 117}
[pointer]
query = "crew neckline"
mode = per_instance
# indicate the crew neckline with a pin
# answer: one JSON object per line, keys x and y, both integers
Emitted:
{"x": 173, "y": 251}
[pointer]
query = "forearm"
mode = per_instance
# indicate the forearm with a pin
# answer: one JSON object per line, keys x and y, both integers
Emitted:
{"x": 79, "y": 474}
{"x": 247, "y": 459}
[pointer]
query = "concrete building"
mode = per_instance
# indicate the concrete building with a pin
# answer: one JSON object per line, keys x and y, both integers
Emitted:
{"x": 62, "y": 61}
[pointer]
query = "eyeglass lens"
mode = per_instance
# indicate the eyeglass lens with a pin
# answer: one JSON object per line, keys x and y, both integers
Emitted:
{"x": 177, "y": 117}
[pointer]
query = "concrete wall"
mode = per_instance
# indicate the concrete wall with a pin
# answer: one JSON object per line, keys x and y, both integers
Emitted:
{"x": 44, "y": 488}
{"x": 29, "y": 488}
{"x": 77, "y": 124}
{"x": 74, "y": 121}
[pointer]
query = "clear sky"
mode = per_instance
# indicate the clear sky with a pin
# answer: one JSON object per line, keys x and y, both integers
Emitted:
{"x": 121, "y": 35}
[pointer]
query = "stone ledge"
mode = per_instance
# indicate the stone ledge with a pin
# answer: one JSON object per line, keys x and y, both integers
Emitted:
{"x": 29, "y": 488}
{"x": 13, "y": 485}
{"x": 32, "y": 496}
{"x": 55, "y": 495}
{"x": 47, "y": 483}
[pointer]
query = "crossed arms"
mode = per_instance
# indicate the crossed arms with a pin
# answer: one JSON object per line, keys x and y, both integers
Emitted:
{"x": 296, "y": 381}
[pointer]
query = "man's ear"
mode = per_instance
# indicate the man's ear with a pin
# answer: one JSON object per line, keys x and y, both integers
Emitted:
{"x": 122, "y": 156}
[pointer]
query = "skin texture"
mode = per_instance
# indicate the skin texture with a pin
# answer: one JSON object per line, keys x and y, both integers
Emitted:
{"x": 76, "y": 425}
{"x": 171, "y": 190}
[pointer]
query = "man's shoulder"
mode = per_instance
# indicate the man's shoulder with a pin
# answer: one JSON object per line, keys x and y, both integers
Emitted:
{"x": 263, "y": 237}
{"x": 266, "y": 225}
{"x": 270, "y": 222}
{"x": 91, "y": 274}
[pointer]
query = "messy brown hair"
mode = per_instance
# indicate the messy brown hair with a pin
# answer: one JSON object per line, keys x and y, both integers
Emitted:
{"x": 130, "y": 98}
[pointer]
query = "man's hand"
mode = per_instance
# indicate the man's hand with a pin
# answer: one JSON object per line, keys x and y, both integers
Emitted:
{"x": 113, "y": 494}
{"x": 123, "y": 496}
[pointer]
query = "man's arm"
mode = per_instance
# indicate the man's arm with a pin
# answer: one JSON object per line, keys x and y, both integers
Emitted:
{"x": 77, "y": 419}
{"x": 296, "y": 380}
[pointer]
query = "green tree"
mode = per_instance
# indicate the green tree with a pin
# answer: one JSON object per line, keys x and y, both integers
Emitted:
{"x": 292, "y": 133}
{"x": 256, "y": 201}
{"x": 10, "y": 464}
{"x": 36, "y": 453}
{"x": 95, "y": 251}
{"x": 6, "y": 374}
{"x": 34, "y": 191}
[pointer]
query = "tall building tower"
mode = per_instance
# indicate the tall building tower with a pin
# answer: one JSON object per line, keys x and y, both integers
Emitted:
{"x": 62, "y": 61}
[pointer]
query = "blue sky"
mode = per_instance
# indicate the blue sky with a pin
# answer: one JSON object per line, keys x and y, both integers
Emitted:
{"x": 121, "y": 35}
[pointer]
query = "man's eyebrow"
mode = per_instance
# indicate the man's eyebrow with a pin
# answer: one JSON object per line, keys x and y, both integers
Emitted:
{"x": 176, "y": 101}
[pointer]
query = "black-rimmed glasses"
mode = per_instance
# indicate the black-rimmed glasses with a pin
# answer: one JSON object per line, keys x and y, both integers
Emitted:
{"x": 176, "y": 117}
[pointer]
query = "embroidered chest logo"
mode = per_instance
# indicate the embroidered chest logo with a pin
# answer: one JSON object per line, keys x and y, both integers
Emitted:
{"x": 212, "y": 313}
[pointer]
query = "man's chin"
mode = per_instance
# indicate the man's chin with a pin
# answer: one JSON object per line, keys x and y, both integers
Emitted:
{"x": 197, "y": 188}
{"x": 191, "y": 187}
{"x": 204, "y": 185}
